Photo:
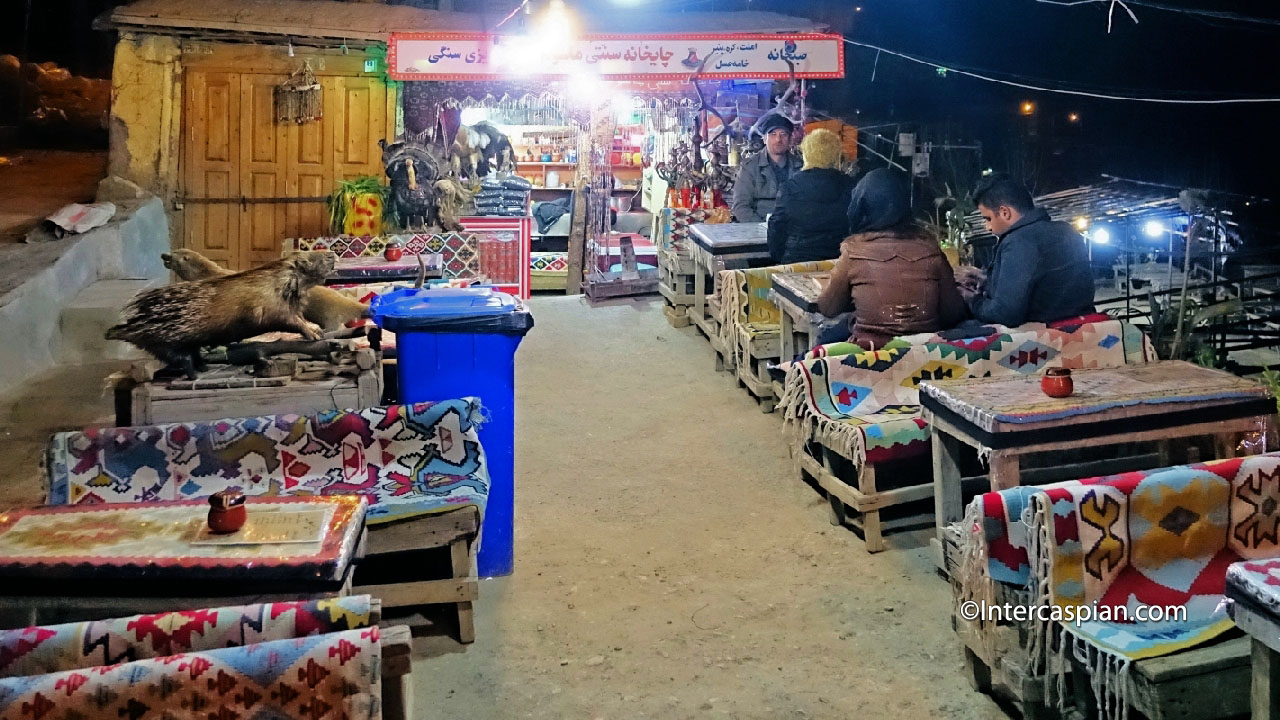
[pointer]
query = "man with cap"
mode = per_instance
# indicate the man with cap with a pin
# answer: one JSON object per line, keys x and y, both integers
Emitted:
{"x": 761, "y": 177}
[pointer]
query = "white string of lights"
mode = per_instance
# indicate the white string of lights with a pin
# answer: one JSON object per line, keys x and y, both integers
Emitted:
{"x": 1061, "y": 91}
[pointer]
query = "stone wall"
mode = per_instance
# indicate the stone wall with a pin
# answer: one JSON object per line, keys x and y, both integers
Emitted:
{"x": 146, "y": 97}
{"x": 39, "y": 281}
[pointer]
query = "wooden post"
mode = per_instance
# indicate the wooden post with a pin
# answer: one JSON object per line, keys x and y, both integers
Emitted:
{"x": 1265, "y": 695}
{"x": 1005, "y": 471}
{"x": 948, "y": 500}
{"x": 578, "y": 231}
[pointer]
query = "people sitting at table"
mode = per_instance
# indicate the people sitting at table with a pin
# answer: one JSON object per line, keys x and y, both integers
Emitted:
{"x": 1040, "y": 271}
{"x": 891, "y": 271}
{"x": 810, "y": 220}
{"x": 755, "y": 192}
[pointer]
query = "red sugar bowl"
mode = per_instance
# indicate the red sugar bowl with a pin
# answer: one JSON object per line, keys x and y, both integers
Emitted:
{"x": 227, "y": 512}
{"x": 1057, "y": 383}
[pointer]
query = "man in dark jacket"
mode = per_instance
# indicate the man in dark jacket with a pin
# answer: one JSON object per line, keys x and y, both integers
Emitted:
{"x": 755, "y": 191}
{"x": 1040, "y": 272}
{"x": 809, "y": 222}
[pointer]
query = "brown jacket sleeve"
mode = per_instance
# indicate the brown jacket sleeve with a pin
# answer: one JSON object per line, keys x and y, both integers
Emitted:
{"x": 952, "y": 308}
{"x": 836, "y": 297}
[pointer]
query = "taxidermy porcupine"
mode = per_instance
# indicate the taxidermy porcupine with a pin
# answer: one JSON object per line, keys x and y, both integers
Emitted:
{"x": 323, "y": 306}
{"x": 175, "y": 321}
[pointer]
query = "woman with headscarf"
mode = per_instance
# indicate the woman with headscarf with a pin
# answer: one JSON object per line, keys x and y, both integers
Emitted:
{"x": 891, "y": 272}
{"x": 809, "y": 221}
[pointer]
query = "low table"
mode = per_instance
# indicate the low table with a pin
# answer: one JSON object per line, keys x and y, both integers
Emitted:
{"x": 1253, "y": 586}
{"x": 108, "y": 560}
{"x": 716, "y": 247}
{"x": 796, "y": 295}
{"x": 349, "y": 270}
{"x": 1007, "y": 418}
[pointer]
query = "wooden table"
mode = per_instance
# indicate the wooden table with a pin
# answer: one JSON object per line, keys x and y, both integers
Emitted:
{"x": 1255, "y": 607}
{"x": 716, "y": 247}
{"x": 796, "y": 295}
{"x": 110, "y": 560}
{"x": 1007, "y": 418}
{"x": 350, "y": 270}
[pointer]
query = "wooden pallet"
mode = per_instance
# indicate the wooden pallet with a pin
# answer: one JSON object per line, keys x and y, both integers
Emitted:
{"x": 603, "y": 290}
{"x": 756, "y": 352}
{"x": 859, "y": 494}
{"x": 677, "y": 317}
{"x": 424, "y": 560}
{"x": 232, "y": 391}
{"x": 1203, "y": 683}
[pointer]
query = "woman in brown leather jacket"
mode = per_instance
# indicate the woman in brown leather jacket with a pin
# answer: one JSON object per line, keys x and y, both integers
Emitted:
{"x": 891, "y": 271}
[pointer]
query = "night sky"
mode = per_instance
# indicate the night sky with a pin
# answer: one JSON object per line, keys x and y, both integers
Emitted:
{"x": 1165, "y": 54}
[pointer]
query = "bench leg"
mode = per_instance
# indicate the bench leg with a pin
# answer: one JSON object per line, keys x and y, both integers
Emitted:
{"x": 1265, "y": 693}
{"x": 870, "y": 518}
{"x": 837, "y": 513}
{"x": 460, "y": 552}
{"x": 977, "y": 672}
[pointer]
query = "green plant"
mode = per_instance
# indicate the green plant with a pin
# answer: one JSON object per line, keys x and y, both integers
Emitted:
{"x": 346, "y": 193}
{"x": 1192, "y": 345}
{"x": 1271, "y": 379}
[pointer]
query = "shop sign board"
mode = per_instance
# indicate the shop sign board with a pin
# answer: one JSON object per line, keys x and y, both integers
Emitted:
{"x": 462, "y": 56}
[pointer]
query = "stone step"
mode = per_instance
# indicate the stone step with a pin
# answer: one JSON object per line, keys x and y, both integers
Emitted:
{"x": 86, "y": 319}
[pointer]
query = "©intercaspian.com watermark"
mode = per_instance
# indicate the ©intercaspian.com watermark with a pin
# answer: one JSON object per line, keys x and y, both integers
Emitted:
{"x": 1077, "y": 614}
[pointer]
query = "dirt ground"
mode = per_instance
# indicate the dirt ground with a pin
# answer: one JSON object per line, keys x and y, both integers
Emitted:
{"x": 668, "y": 562}
{"x": 35, "y": 183}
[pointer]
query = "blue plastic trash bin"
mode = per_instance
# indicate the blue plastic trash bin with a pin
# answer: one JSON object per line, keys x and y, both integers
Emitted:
{"x": 459, "y": 342}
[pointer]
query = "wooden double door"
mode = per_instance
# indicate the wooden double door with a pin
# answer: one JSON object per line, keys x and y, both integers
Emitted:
{"x": 249, "y": 182}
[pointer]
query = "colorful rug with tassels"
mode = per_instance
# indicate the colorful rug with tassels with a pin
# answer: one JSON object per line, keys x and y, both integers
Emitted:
{"x": 866, "y": 404}
{"x": 1163, "y": 539}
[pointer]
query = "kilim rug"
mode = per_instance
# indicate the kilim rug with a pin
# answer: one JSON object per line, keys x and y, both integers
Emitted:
{"x": 867, "y": 403}
{"x": 1160, "y": 538}
{"x": 321, "y": 677}
{"x": 83, "y": 645}
{"x": 408, "y": 460}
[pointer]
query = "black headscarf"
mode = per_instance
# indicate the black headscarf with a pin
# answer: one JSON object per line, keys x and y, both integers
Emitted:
{"x": 879, "y": 201}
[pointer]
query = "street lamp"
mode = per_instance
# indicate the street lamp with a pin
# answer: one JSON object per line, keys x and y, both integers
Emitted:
{"x": 1073, "y": 117}
{"x": 1028, "y": 107}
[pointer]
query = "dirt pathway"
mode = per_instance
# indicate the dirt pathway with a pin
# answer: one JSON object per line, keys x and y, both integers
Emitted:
{"x": 670, "y": 565}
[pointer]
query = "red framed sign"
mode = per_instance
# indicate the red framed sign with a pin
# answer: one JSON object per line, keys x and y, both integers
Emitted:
{"x": 467, "y": 56}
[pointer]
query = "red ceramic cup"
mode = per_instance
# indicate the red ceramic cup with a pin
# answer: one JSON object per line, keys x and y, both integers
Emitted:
{"x": 1057, "y": 382}
{"x": 227, "y": 512}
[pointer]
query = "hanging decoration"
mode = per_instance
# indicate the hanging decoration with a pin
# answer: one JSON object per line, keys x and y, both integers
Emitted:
{"x": 299, "y": 98}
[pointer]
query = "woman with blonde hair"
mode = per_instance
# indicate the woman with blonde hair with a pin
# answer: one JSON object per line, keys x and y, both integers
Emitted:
{"x": 810, "y": 219}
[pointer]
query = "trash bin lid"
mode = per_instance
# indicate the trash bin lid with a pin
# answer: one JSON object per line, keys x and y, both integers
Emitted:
{"x": 450, "y": 310}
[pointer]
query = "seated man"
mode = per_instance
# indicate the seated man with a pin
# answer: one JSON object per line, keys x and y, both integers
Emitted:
{"x": 760, "y": 178}
{"x": 1040, "y": 272}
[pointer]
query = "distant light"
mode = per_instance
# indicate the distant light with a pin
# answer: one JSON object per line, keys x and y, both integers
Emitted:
{"x": 858, "y": 9}
{"x": 1154, "y": 229}
{"x": 1101, "y": 236}
{"x": 1073, "y": 117}
{"x": 1028, "y": 107}
{"x": 473, "y": 115}
{"x": 1082, "y": 223}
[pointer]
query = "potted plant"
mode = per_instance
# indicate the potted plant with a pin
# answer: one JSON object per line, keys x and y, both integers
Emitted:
{"x": 357, "y": 206}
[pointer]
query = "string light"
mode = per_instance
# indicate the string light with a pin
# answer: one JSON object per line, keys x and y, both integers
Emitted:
{"x": 1059, "y": 91}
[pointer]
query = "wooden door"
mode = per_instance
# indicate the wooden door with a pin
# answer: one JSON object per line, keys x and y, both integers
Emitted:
{"x": 250, "y": 182}
{"x": 264, "y": 165}
{"x": 212, "y": 166}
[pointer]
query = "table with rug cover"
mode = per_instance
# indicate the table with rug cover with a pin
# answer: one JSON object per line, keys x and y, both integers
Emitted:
{"x": 1253, "y": 588}
{"x": 366, "y": 269}
{"x": 152, "y": 556}
{"x": 724, "y": 246}
{"x": 796, "y": 295}
{"x": 1006, "y": 418}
